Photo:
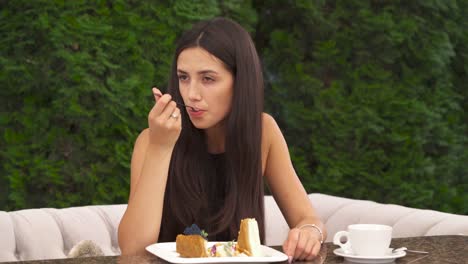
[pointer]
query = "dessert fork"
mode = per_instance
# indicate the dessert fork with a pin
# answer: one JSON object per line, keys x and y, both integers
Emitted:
{"x": 177, "y": 103}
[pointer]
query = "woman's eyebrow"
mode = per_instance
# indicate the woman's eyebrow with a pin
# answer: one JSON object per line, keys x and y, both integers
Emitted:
{"x": 199, "y": 72}
{"x": 207, "y": 71}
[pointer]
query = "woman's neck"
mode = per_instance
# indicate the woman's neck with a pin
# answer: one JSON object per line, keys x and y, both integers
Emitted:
{"x": 215, "y": 138}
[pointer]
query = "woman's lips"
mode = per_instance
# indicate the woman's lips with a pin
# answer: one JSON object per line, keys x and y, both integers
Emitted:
{"x": 194, "y": 112}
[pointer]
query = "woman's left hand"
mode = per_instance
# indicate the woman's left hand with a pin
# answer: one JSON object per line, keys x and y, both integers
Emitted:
{"x": 302, "y": 244}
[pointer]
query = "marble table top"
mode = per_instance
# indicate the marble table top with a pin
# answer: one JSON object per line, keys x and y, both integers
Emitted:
{"x": 442, "y": 249}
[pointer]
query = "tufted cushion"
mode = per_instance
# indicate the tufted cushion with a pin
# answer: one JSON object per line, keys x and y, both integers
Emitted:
{"x": 337, "y": 213}
{"x": 7, "y": 240}
{"x": 36, "y": 234}
{"x": 50, "y": 233}
{"x": 74, "y": 224}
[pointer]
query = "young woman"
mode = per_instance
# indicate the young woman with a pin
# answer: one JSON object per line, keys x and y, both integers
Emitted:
{"x": 208, "y": 149}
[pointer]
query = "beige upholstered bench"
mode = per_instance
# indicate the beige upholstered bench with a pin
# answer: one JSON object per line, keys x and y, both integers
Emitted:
{"x": 49, "y": 233}
{"x": 337, "y": 213}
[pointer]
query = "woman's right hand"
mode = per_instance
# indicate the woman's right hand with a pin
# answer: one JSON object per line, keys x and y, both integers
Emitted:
{"x": 164, "y": 121}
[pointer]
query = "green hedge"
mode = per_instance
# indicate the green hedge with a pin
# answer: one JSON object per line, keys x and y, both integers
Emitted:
{"x": 78, "y": 78}
{"x": 371, "y": 95}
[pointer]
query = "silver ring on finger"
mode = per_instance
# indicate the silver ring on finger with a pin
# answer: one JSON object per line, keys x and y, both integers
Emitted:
{"x": 174, "y": 115}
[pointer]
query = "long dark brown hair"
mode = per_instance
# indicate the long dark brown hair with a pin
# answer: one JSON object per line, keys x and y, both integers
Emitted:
{"x": 191, "y": 173}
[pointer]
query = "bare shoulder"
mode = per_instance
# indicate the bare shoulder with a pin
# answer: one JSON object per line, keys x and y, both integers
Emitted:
{"x": 267, "y": 119}
{"x": 271, "y": 134}
{"x": 270, "y": 128}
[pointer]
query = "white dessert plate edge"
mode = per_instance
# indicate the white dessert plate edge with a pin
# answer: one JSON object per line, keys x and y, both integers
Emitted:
{"x": 167, "y": 251}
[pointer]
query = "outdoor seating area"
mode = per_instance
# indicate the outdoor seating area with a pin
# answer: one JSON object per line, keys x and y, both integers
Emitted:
{"x": 49, "y": 233}
{"x": 187, "y": 132}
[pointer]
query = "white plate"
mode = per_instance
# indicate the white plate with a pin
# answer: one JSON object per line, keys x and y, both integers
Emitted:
{"x": 370, "y": 259}
{"x": 167, "y": 251}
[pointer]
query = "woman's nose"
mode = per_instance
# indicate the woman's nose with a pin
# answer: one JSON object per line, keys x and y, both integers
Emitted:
{"x": 194, "y": 91}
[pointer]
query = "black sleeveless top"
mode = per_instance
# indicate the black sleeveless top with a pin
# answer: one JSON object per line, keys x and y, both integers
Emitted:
{"x": 216, "y": 191}
{"x": 218, "y": 194}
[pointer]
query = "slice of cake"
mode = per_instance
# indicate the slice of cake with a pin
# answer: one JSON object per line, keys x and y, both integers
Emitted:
{"x": 191, "y": 246}
{"x": 193, "y": 243}
{"x": 248, "y": 240}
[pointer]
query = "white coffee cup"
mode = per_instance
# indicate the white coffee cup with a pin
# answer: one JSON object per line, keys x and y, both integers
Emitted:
{"x": 365, "y": 239}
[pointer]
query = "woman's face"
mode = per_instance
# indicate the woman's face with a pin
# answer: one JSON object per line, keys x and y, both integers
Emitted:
{"x": 205, "y": 84}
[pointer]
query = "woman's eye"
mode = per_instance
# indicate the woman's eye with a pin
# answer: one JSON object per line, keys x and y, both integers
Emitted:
{"x": 208, "y": 79}
{"x": 183, "y": 77}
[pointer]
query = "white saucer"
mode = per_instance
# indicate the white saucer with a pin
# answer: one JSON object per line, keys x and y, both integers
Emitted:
{"x": 369, "y": 259}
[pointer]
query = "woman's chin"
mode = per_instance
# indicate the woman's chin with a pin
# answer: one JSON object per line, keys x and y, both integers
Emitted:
{"x": 199, "y": 124}
{"x": 205, "y": 124}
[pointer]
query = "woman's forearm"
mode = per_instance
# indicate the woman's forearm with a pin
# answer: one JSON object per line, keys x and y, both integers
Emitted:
{"x": 141, "y": 222}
